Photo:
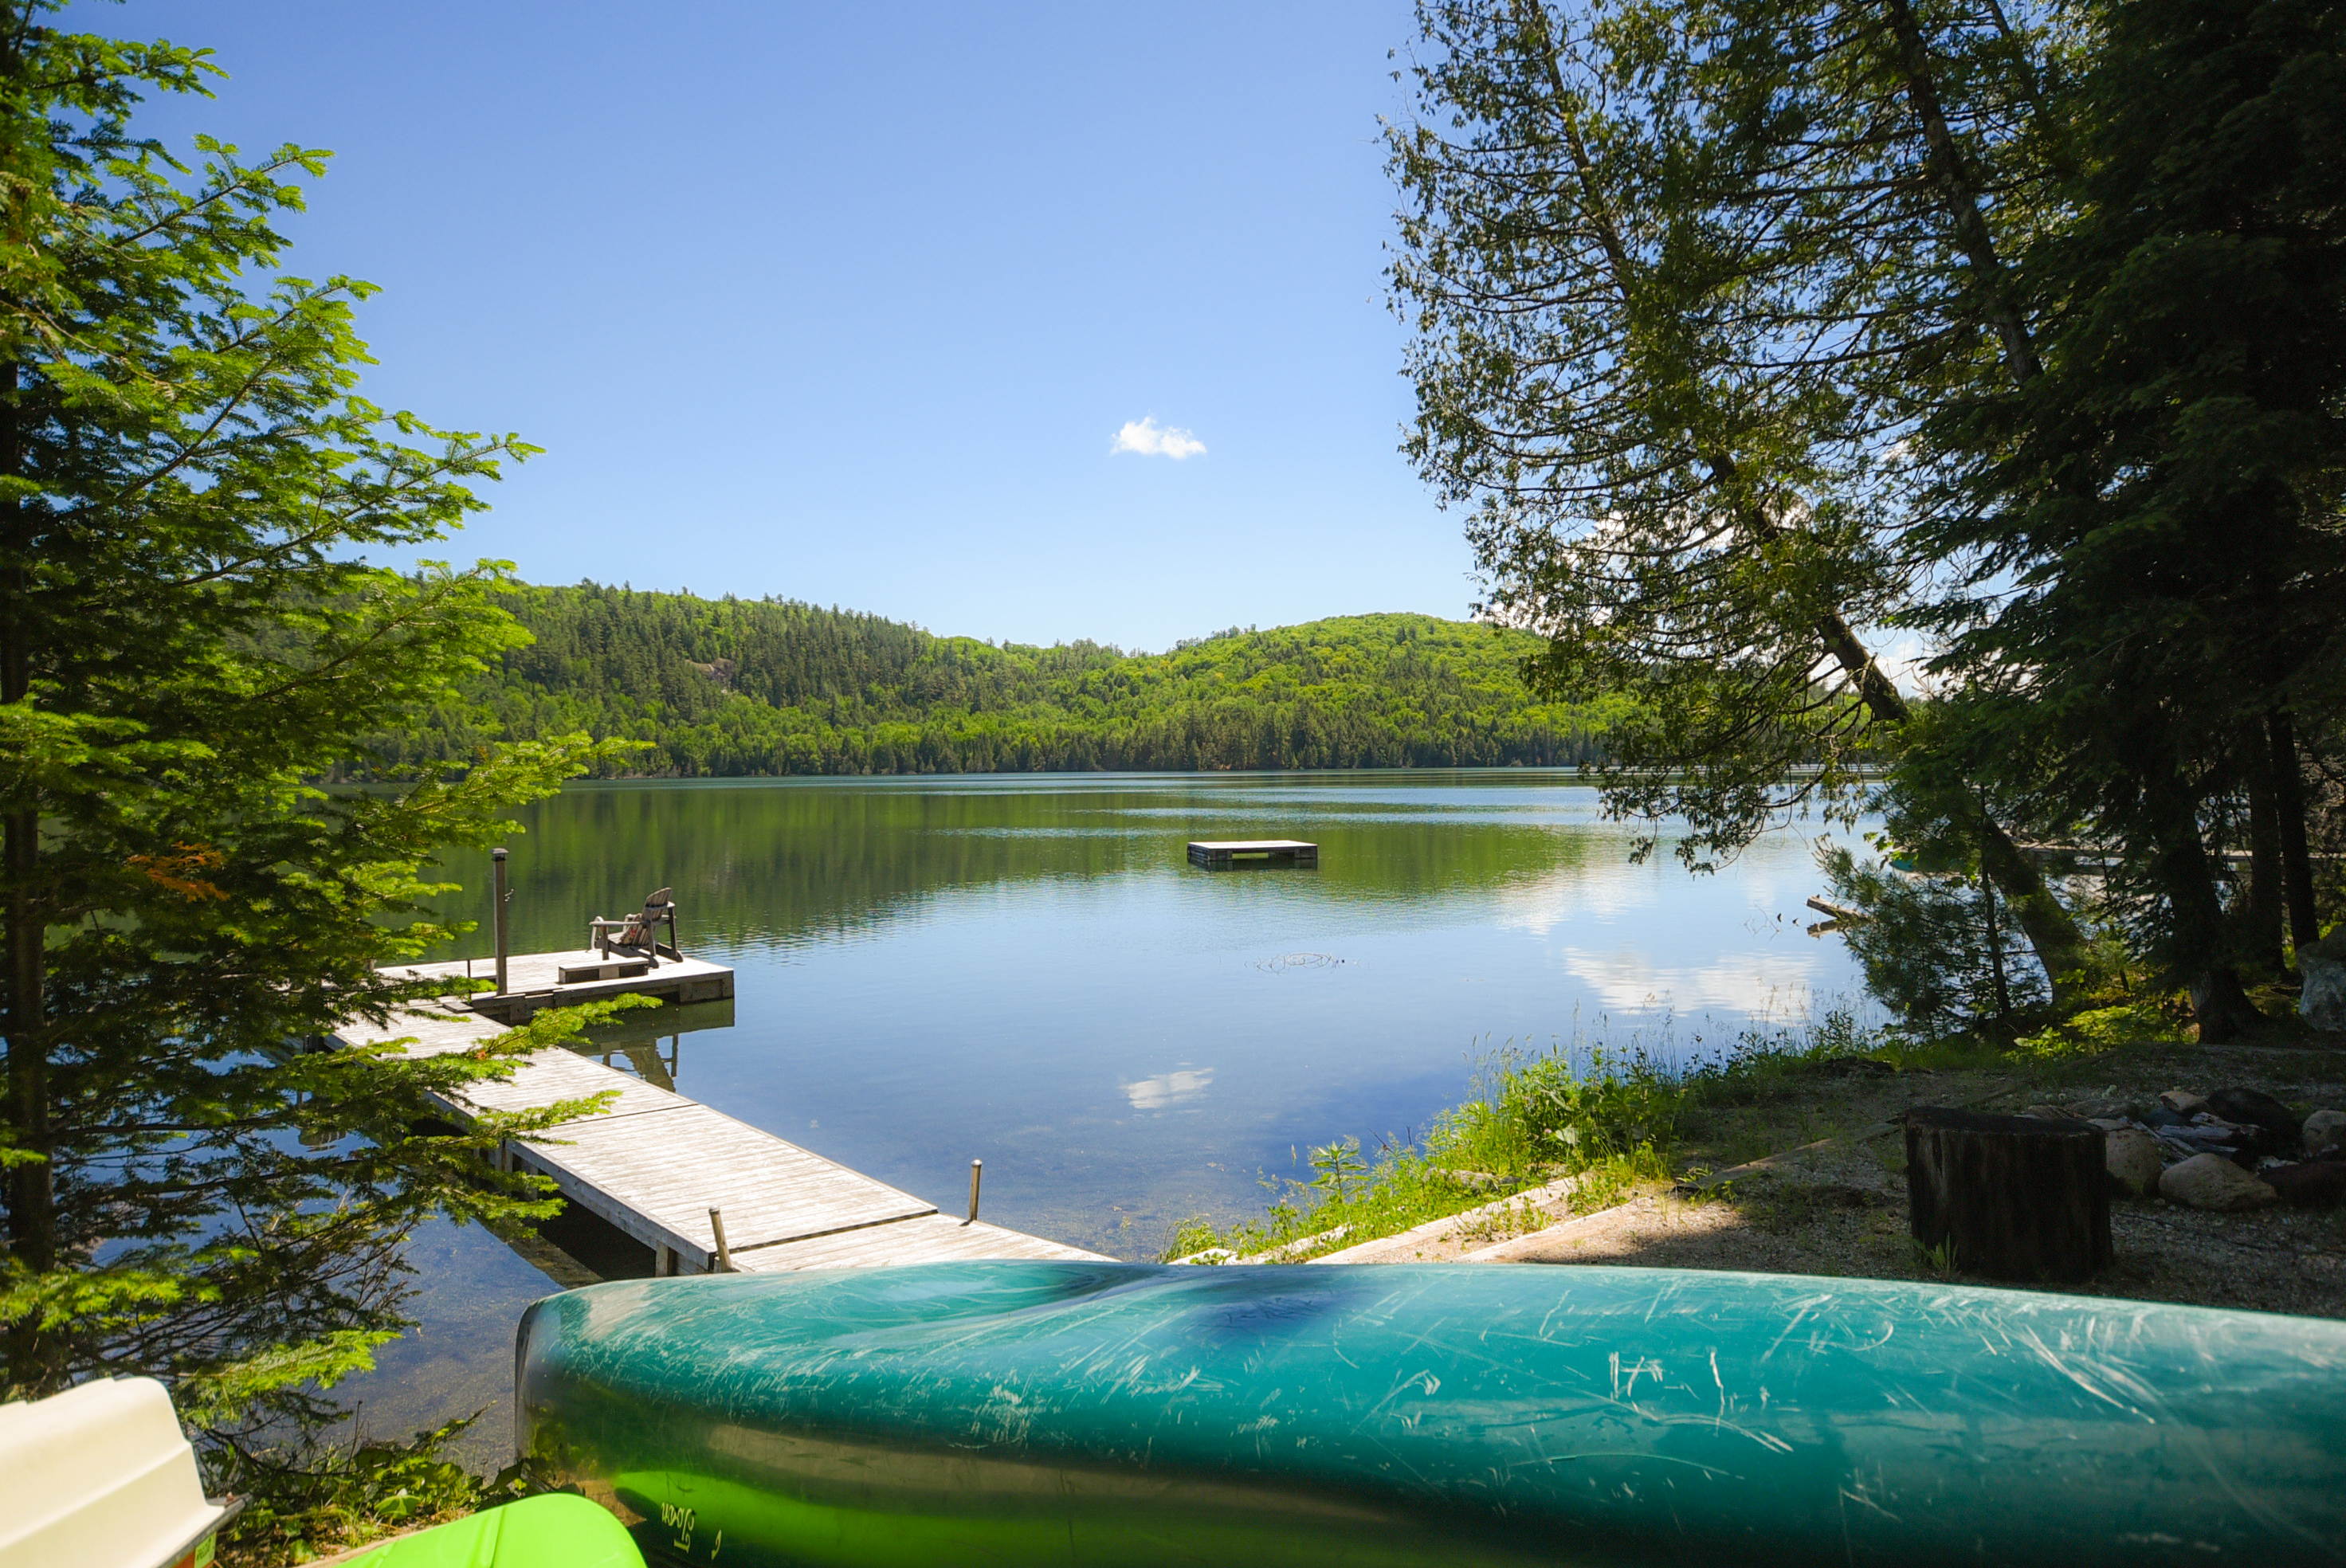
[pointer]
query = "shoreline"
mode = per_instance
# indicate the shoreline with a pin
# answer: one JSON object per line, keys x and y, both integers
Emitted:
{"x": 1791, "y": 1164}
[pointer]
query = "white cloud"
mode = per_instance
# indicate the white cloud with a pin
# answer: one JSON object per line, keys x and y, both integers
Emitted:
{"x": 1150, "y": 439}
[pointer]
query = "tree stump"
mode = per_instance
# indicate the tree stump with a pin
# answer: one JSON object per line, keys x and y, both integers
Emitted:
{"x": 2015, "y": 1198}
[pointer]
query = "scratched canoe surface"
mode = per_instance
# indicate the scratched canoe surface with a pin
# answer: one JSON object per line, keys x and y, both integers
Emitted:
{"x": 1127, "y": 1413}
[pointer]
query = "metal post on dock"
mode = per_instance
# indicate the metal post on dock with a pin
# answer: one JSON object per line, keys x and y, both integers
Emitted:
{"x": 497, "y": 858}
{"x": 976, "y": 1169}
{"x": 724, "y": 1253}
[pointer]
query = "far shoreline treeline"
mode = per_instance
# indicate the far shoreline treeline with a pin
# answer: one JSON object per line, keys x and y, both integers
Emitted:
{"x": 732, "y": 688}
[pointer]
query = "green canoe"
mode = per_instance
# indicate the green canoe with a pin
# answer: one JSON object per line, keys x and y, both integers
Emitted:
{"x": 1077, "y": 1413}
{"x": 554, "y": 1532}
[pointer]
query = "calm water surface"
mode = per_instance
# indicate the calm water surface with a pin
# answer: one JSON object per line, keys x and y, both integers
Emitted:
{"x": 1025, "y": 969}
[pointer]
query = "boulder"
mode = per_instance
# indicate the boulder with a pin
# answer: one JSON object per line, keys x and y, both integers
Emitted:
{"x": 2325, "y": 1135}
{"x": 2214, "y": 1183}
{"x": 2322, "y": 967}
{"x": 2131, "y": 1156}
{"x": 2183, "y": 1101}
{"x": 2316, "y": 1183}
{"x": 2275, "y": 1123}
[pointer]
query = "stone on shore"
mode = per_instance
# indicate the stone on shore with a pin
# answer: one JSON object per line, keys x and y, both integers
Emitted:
{"x": 2131, "y": 1156}
{"x": 2183, "y": 1101}
{"x": 2255, "y": 1108}
{"x": 2214, "y": 1183}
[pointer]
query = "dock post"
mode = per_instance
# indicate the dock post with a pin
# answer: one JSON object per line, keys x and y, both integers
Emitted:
{"x": 976, "y": 1169}
{"x": 724, "y": 1253}
{"x": 497, "y": 859}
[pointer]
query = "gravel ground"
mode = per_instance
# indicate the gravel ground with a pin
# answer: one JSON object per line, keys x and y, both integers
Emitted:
{"x": 1840, "y": 1209}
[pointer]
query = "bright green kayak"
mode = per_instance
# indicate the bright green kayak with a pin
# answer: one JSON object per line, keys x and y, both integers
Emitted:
{"x": 1074, "y": 1414}
{"x": 554, "y": 1532}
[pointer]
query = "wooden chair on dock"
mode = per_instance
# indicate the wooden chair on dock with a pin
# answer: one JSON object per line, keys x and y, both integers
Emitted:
{"x": 640, "y": 931}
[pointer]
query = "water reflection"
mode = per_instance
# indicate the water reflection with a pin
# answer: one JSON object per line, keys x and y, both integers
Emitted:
{"x": 648, "y": 1063}
{"x": 790, "y": 862}
{"x": 1026, "y": 969}
{"x": 1168, "y": 1088}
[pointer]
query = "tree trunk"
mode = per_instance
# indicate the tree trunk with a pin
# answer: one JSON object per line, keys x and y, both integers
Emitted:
{"x": 1959, "y": 196}
{"x": 2010, "y": 1197}
{"x": 2288, "y": 811}
{"x": 2261, "y": 902}
{"x": 2219, "y": 1005}
{"x": 2052, "y": 931}
{"x": 1995, "y": 961}
{"x": 2199, "y": 943}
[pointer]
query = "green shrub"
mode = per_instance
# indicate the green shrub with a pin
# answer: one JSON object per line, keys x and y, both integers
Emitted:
{"x": 315, "y": 1500}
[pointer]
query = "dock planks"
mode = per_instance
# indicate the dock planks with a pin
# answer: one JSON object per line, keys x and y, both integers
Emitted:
{"x": 657, "y": 1162}
{"x": 938, "y": 1238}
{"x": 536, "y": 981}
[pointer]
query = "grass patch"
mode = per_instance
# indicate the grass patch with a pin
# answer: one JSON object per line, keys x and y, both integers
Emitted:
{"x": 2101, "y": 1029}
{"x": 1612, "y": 1119}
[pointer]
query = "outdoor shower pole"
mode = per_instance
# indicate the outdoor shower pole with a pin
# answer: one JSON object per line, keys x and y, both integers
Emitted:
{"x": 498, "y": 857}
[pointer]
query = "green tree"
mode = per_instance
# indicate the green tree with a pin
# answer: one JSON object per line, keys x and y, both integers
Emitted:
{"x": 1683, "y": 277}
{"x": 189, "y": 632}
{"x": 2154, "y": 523}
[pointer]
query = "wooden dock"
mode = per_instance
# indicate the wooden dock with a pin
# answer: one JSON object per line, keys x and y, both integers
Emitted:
{"x": 540, "y": 979}
{"x": 1230, "y": 854}
{"x": 656, "y": 1163}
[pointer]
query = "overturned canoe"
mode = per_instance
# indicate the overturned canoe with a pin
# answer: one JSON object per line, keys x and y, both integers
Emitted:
{"x": 1123, "y": 1413}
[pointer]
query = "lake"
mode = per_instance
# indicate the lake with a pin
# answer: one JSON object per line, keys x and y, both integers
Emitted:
{"x": 1025, "y": 969}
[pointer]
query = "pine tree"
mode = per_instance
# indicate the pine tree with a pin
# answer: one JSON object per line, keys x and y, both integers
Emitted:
{"x": 190, "y": 634}
{"x": 2157, "y": 521}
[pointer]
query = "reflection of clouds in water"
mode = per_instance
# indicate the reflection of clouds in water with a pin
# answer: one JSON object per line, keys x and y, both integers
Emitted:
{"x": 1583, "y": 893}
{"x": 1168, "y": 1089}
{"x": 1628, "y": 980}
{"x": 1771, "y": 876}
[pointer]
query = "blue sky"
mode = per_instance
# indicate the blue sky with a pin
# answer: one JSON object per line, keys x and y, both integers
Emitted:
{"x": 851, "y": 303}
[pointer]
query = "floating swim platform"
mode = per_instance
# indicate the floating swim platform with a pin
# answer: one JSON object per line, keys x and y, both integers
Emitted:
{"x": 1229, "y": 854}
{"x": 1071, "y": 1413}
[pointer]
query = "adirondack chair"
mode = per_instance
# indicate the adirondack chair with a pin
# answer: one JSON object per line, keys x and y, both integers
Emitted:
{"x": 641, "y": 930}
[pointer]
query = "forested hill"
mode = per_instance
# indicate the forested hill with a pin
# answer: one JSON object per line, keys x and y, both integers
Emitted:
{"x": 731, "y": 686}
